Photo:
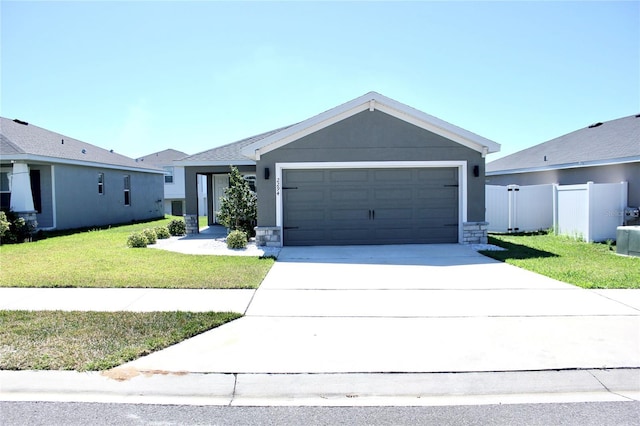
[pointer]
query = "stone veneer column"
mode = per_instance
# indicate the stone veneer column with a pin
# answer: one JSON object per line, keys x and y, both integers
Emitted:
{"x": 191, "y": 222}
{"x": 474, "y": 232}
{"x": 270, "y": 236}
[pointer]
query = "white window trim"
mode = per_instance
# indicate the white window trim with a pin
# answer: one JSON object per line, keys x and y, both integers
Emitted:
{"x": 126, "y": 190}
{"x": 460, "y": 165}
{"x": 101, "y": 184}
{"x": 168, "y": 172}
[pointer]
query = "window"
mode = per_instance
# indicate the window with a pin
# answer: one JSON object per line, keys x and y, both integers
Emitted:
{"x": 5, "y": 190}
{"x": 168, "y": 174}
{"x": 251, "y": 180}
{"x": 100, "y": 183}
{"x": 127, "y": 190}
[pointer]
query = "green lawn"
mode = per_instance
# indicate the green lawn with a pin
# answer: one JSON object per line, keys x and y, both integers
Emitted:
{"x": 101, "y": 258}
{"x": 93, "y": 340}
{"x": 587, "y": 265}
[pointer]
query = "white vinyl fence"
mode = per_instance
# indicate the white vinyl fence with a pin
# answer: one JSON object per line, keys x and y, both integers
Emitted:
{"x": 516, "y": 208}
{"x": 588, "y": 211}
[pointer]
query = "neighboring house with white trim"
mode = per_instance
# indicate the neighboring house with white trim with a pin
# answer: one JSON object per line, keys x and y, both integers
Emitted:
{"x": 174, "y": 181}
{"x": 606, "y": 152}
{"x": 64, "y": 183}
{"x": 370, "y": 171}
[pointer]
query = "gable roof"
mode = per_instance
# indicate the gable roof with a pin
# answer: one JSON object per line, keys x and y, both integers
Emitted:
{"x": 22, "y": 141}
{"x": 611, "y": 142}
{"x": 229, "y": 154}
{"x": 162, "y": 158}
{"x": 370, "y": 101}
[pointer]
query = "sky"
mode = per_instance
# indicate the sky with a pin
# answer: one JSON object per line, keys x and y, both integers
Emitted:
{"x": 140, "y": 77}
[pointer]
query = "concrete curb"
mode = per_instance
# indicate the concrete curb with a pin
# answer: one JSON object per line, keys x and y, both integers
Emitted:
{"x": 344, "y": 389}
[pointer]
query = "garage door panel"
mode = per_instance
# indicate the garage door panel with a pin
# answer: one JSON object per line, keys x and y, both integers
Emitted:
{"x": 350, "y": 195}
{"x": 384, "y": 176}
{"x": 306, "y": 215}
{"x": 300, "y": 197}
{"x": 395, "y": 215}
{"x": 393, "y": 194}
{"x": 370, "y": 206}
{"x": 339, "y": 214}
{"x": 347, "y": 236}
{"x": 304, "y": 176}
{"x": 437, "y": 193}
{"x": 341, "y": 177}
{"x": 438, "y": 174}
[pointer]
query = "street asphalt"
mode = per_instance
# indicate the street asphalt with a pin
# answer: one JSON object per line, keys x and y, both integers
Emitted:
{"x": 367, "y": 325}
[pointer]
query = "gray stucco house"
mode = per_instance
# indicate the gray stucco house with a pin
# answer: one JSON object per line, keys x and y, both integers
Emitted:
{"x": 370, "y": 171}
{"x": 64, "y": 183}
{"x": 607, "y": 152}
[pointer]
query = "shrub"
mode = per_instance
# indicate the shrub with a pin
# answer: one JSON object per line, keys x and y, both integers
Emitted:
{"x": 17, "y": 230}
{"x": 162, "y": 233}
{"x": 177, "y": 227}
{"x": 151, "y": 235}
{"x": 4, "y": 223}
{"x": 236, "y": 240}
{"x": 137, "y": 240}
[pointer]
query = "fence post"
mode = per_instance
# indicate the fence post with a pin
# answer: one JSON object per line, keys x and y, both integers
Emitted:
{"x": 555, "y": 209}
{"x": 590, "y": 215}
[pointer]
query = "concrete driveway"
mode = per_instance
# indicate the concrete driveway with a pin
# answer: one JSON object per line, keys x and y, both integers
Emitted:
{"x": 412, "y": 309}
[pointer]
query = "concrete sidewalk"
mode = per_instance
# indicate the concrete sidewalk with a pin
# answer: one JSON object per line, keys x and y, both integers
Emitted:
{"x": 124, "y": 299}
{"x": 416, "y": 325}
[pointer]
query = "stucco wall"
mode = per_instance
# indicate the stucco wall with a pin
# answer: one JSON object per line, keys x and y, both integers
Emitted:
{"x": 175, "y": 190}
{"x": 78, "y": 203}
{"x": 629, "y": 172}
{"x": 191, "y": 184}
{"x": 370, "y": 136}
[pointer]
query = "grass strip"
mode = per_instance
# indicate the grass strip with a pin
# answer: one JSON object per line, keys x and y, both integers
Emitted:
{"x": 101, "y": 258}
{"x": 89, "y": 341}
{"x": 587, "y": 265}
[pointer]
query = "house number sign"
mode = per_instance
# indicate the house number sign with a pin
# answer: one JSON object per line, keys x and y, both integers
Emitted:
{"x": 277, "y": 186}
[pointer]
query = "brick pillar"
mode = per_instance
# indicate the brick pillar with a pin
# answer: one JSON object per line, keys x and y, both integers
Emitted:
{"x": 191, "y": 222}
{"x": 270, "y": 236}
{"x": 474, "y": 232}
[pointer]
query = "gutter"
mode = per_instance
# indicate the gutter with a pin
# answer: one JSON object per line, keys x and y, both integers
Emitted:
{"x": 574, "y": 165}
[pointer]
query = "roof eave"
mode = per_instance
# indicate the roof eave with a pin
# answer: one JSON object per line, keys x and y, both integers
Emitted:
{"x": 371, "y": 101}
{"x": 66, "y": 161}
{"x": 187, "y": 163}
{"x": 576, "y": 165}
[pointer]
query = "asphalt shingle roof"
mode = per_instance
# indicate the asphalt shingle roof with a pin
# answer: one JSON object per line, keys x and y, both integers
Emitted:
{"x": 20, "y": 140}
{"x": 162, "y": 158}
{"x": 230, "y": 152}
{"x": 613, "y": 140}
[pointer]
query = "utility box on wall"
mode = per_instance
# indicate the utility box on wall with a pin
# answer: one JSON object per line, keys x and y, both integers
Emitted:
{"x": 628, "y": 240}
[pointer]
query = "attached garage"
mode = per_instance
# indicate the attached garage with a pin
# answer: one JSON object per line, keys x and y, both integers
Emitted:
{"x": 348, "y": 206}
{"x": 370, "y": 171}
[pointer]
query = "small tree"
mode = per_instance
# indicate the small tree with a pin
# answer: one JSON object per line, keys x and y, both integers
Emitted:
{"x": 238, "y": 205}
